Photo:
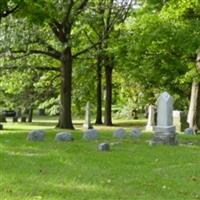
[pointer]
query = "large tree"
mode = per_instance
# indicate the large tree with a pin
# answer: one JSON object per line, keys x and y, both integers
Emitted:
{"x": 60, "y": 19}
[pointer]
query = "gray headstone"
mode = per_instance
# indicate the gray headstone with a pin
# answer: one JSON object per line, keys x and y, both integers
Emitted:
{"x": 91, "y": 134}
{"x": 151, "y": 118}
{"x": 36, "y": 135}
{"x": 135, "y": 133}
{"x": 180, "y": 120}
{"x": 119, "y": 133}
{"x": 103, "y": 147}
{"x": 87, "y": 124}
{"x": 165, "y": 132}
{"x": 189, "y": 131}
{"x": 64, "y": 137}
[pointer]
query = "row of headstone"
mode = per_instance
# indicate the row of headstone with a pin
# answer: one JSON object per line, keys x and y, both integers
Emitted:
{"x": 14, "y": 119}
{"x": 90, "y": 134}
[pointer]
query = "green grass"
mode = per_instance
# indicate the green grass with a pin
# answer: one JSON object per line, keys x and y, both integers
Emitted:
{"x": 132, "y": 170}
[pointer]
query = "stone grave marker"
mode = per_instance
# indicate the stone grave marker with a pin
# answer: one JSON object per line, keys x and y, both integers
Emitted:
{"x": 180, "y": 120}
{"x": 135, "y": 133}
{"x": 165, "y": 132}
{"x": 103, "y": 147}
{"x": 64, "y": 137}
{"x": 119, "y": 133}
{"x": 151, "y": 118}
{"x": 87, "y": 123}
{"x": 189, "y": 131}
{"x": 36, "y": 135}
{"x": 91, "y": 134}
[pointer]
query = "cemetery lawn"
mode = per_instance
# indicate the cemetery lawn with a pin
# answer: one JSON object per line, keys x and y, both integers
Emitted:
{"x": 132, "y": 170}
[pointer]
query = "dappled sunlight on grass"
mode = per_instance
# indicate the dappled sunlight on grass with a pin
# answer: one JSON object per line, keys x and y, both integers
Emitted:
{"x": 75, "y": 170}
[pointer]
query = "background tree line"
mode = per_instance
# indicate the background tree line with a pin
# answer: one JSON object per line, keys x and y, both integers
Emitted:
{"x": 61, "y": 54}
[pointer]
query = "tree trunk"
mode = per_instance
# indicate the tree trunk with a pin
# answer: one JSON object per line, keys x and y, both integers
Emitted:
{"x": 108, "y": 106}
{"x": 194, "y": 110}
{"x": 99, "y": 92}
{"x": 30, "y": 115}
{"x": 65, "y": 118}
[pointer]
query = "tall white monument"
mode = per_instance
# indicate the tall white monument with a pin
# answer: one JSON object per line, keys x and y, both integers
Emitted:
{"x": 165, "y": 131}
{"x": 151, "y": 118}
{"x": 87, "y": 123}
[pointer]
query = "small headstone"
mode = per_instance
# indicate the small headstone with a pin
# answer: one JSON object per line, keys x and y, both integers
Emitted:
{"x": 1, "y": 127}
{"x": 180, "y": 120}
{"x": 87, "y": 123}
{"x": 151, "y": 118}
{"x": 189, "y": 131}
{"x": 23, "y": 119}
{"x": 135, "y": 133}
{"x": 36, "y": 135}
{"x": 119, "y": 133}
{"x": 103, "y": 147}
{"x": 64, "y": 137}
{"x": 165, "y": 132}
{"x": 15, "y": 119}
{"x": 91, "y": 134}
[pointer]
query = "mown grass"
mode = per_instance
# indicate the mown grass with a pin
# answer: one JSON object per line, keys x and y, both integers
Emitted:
{"x": 132, "y": 170}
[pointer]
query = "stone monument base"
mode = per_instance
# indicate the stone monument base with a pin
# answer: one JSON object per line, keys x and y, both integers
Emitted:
{"x": 162, "y": 138}
{"x": 165, "y": 135}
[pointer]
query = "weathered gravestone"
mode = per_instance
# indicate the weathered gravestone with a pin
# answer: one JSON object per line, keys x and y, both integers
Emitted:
{"x": 64, "y": 137}
{"x": 36, "y": 135}
{"x": 135, "y": 133}
{"x": 119, "y": 133}
{"x": 103, "y": 147}
{"x": 165, "y": 132}
{"x": 180, "y": 120}
{"x": 91, "y": 134}
{"x": 87, "y": 123}
{"x": 189, "y": 131}
{"x": 151, "y": 118}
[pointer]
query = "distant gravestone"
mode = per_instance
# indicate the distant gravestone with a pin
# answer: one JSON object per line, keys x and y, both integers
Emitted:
{"x": 36, "y": 135}
{"x": 189, "y": 131}
{"x": 1, "y": 127}
{"x": 103, "y": 147}
{"x": 180, "y": 120}
{"x": 91, "y": 134}
{"x": 87, "y": 124}
{"x": 119, "y": 133}
{"x": 64, "y": 137}
{"x": 165, "y": 132}
{"x": 151, "y": 118}
{"x": 135, "y": 133}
